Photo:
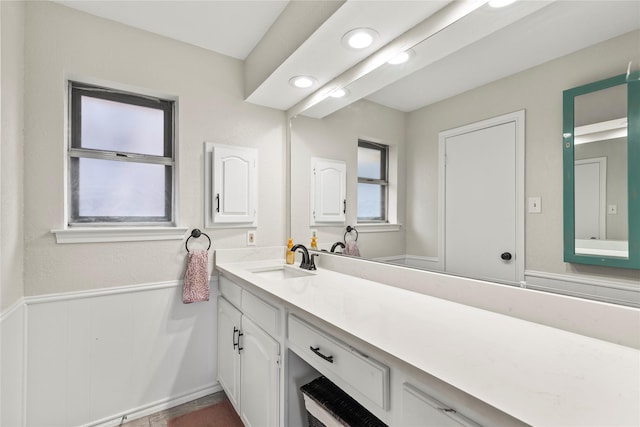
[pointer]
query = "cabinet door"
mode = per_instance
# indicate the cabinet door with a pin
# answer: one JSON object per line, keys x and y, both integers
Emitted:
{"x": 328, "y": 190}
{"x": 259, "y": 376}
{"x": 420, "y": 409}
{"x": 229, "y": 319}
{"x": 235, "y": 184}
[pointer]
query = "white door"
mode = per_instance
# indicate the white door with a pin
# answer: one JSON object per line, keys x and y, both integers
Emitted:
{"x": 259, "y": 377}
{"x": 483, "y": 222}
{"x": 590, "y": 198}
{"x": 229, "y": 319}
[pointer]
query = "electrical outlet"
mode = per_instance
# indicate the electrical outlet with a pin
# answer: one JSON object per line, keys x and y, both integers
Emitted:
{"x": 251, "y": 238}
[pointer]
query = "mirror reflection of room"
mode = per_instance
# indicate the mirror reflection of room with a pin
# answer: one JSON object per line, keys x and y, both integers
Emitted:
{"x": 419, "y": 105}
{"x": 600, "y": 150}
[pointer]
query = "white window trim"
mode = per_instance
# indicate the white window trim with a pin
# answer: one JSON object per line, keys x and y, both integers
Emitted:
{"x": 107, "y": 233}
{"x": 118, "y": 234}
{"x": 372, "y": 227}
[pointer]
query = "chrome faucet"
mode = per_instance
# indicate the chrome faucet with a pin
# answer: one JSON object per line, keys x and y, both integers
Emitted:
{"x": 335, "y": 245}
{"x": 307, "y": 261}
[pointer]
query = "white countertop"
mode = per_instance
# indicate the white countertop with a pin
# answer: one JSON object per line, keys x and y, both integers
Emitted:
{"x": 540, "y": 375}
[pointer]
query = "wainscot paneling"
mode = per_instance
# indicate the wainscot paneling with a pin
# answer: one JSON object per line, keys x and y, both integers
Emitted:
{"x": 427, "y": 263}
{"x": 94, "y": 357}
{"x": 12, "y": 354}
{"x": 605, "y": 290}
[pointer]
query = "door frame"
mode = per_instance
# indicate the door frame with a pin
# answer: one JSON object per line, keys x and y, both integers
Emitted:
{"x": 517, "y": 117}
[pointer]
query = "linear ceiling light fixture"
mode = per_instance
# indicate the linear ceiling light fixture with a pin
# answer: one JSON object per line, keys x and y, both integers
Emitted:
{"x": 359, "y": 38}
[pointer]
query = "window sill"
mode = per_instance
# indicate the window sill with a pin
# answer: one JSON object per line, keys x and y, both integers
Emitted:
{"x": 378, "y": 228}
{"x": 118, "y": 234}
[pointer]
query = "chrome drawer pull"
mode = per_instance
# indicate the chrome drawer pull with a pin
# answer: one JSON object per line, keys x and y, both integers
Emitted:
{"x": 316, "y": 350}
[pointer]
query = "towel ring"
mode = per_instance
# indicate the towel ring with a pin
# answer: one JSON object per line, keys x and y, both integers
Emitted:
{"x": 349, "y": 230}
{"x": 196, "y": 233}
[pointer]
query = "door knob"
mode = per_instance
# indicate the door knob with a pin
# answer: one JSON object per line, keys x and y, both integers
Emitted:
{"x": 505, "y": 256}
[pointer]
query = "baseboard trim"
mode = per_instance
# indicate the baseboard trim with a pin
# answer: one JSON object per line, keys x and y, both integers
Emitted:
{"x": 610, "y": 290}
{"x": 154, "y": 407}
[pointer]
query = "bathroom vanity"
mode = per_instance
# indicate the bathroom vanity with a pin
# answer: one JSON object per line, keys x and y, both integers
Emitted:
{"x": 408, "y": 357}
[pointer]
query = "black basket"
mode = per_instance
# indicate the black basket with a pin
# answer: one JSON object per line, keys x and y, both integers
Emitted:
{"x": 339, "y": 404}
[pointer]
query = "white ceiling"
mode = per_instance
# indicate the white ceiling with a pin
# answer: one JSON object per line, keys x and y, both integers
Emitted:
{"x": 486, "y": 45}
{"x": 557, "y": 29}
{"x": 232, "y": 28}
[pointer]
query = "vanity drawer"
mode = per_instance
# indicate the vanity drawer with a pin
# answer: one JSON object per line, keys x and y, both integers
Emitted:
{"x": 261, "y": 312}
{"x": 231, "y": 291}
{"x": 366, "y": 375}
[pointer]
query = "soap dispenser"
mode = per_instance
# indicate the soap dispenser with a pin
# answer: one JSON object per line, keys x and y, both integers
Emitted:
{"x": 314, "y": 242}
{"x": 290, "y": 256}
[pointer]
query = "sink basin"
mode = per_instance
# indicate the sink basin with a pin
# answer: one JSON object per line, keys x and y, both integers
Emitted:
{"x": 281, "y": 272}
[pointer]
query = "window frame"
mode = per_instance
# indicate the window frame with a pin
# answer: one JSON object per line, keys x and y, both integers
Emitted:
{"x": 76, "y": 90}
{"x": 383, "y": 182}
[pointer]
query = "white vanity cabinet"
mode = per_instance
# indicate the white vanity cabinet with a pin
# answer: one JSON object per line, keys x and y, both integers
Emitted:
{"x": 361, "y": 376}
{"x": 419, "y": 408}
{"x": 412, "y": 359}
{"x": 248, "y": 357}
{"x": 229, "y": 323}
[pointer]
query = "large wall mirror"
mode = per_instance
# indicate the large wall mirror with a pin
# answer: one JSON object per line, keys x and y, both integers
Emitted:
{"x": 601, "y": 172}
{"x": 522, "y": 63}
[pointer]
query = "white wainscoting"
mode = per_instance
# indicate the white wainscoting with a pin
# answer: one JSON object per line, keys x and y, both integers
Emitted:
{"x": 426, "y": 263}
{"x": 12, "y": 369}
{"x": 94, "y": 357}
{"x": 607, "y": 290}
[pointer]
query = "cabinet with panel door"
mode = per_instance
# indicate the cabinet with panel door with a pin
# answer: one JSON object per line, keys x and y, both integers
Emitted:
{"x": 248, "y": 364}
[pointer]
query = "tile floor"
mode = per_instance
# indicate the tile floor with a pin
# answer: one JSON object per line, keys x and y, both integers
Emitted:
{"x": 160, "y": 419}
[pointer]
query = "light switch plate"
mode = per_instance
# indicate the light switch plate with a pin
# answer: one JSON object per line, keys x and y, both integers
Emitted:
{"x": 534, "y": 205}
{"x": 251, "y": 238}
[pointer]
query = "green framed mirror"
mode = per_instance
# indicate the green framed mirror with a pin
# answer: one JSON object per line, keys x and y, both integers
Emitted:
{"x": 601, "y": 164}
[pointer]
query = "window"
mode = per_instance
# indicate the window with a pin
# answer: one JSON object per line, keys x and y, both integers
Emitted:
{"x": 372, "y": 181}
{"x": 121, "y": 157}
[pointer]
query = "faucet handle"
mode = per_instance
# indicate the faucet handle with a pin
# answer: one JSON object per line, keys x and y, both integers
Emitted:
{"x": 312, "y": 264}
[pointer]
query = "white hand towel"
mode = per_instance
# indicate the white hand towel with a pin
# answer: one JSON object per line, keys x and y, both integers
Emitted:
{"x": 196, "y": 279}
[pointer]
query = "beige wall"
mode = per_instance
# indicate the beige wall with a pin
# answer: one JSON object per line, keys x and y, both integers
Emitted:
{"x": 539, "y": 92}
{"x": 11, "y": 154}
{"x": 63, "y": 43}
{"x": 336, "y": 137}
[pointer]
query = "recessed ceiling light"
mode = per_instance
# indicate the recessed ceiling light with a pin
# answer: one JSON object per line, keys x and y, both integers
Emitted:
{"x": 359, "y": 38}
{"x": 302, "y": 82}
{"x": 338, "y": 93}
{"x": 401, "y": 58}
{"x": 500, "y": 3}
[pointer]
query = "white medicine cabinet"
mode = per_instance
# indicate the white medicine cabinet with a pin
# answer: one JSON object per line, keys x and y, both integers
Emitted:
{"x": 328, "y": 191}
{"x": 231, "y": 185}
